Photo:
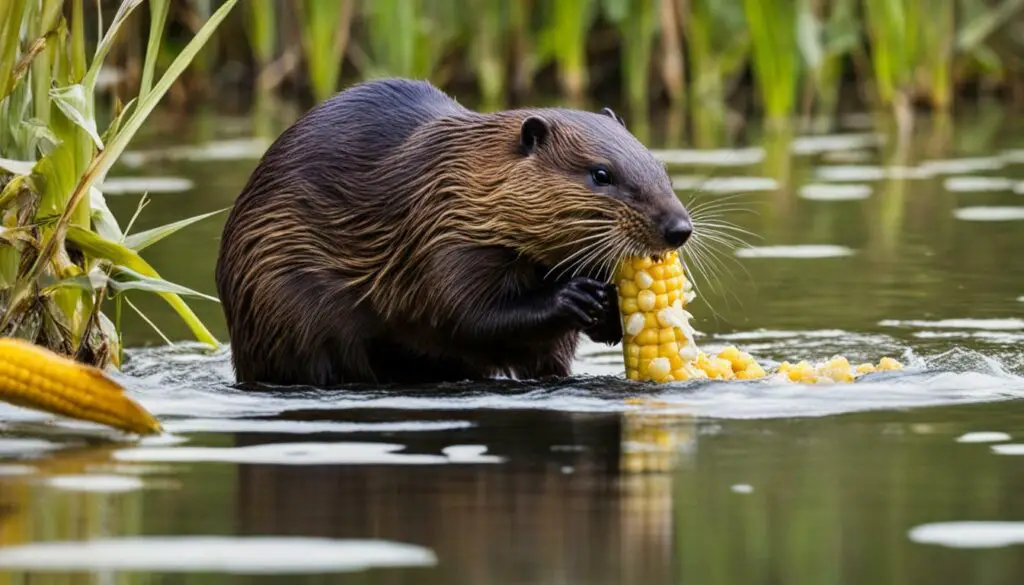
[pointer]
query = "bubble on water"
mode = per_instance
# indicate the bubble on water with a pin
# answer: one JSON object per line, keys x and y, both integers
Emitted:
{"x": 26, "y": 446}
{"x": 1013, "y": 156}
{"x": 221, "y": 425}
{"x": 95, "y": 483}
{"x": 990, "y": 213}
{"x": 216, "y": 150}
{"x": 470, "y": 454}
{"x": 977, "y": 184}
{"x": 804, "y": 145}
{"x": 835, "y": 192}
{"x": 966, "y": 323}
{"x": 805, "y": 251}
{"x": 151, "y": 185}
{"x": 983, "y": 437}
{"x": 982, "y": 534}
{"x": 302, "y": 454}
{"x": 962, "y": 165}
{"x": 215, "y": 554}
{"x": 724, "y": 184}
{"x": 712, "y": 157}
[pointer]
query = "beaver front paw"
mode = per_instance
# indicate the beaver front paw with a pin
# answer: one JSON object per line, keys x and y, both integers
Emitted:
{"x": 580, "y": 303}
{"x": 608, "y": 328}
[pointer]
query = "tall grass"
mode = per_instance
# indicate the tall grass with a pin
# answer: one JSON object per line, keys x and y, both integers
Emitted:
{"x": 62, "y": 253}
{"x": 762, "y": 58}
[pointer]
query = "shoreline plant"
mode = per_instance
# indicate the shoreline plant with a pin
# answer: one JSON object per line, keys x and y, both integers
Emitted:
{"x": 63, "y": 254}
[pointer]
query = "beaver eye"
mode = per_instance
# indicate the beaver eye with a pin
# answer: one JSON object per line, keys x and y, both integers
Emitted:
{"x": 601, "y": 176}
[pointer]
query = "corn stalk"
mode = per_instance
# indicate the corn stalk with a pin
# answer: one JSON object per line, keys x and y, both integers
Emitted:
{"x": 62, "y": 253}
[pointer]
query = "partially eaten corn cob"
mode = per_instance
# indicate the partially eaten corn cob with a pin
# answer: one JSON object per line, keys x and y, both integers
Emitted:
{"x": 37, "y": 378}
{"x": 658, "y": 341}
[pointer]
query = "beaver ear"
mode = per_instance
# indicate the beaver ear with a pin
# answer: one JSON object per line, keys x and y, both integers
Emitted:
{"x": 611, "y": 114}
{"x": 532, "y": 134}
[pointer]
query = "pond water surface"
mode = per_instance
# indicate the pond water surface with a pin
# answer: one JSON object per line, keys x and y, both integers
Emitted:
{"x": 863, "y": 248}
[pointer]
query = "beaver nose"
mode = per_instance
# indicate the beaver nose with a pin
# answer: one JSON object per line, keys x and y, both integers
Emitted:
{"x": 676, "y": 231}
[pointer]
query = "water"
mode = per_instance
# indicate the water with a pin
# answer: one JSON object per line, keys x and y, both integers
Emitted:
{"x": 863, "y": 249}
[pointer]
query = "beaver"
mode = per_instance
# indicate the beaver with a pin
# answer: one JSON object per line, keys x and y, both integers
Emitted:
{"x": 391, "y": 235}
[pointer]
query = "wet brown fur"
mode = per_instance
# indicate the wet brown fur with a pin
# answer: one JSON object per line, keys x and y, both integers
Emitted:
{"x": 393, "y": 235}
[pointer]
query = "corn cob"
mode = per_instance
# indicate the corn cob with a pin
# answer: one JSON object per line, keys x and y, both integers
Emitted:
{"x": 658, "y": 340}
{"x": 37, "y": 378}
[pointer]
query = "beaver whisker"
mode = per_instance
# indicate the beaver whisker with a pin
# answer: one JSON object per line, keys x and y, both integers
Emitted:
{"x": 590, "y": 252}
{"x": 603, "y": 262}
{"x": 580, "y": 252}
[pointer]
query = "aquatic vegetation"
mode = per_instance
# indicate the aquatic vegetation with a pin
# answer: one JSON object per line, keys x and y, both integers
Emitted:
{"x": 325, "y": 31}
{"x": 63, "y": 254}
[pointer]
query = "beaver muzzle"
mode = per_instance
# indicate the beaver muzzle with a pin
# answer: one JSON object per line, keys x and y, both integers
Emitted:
{"x": 675, "y": 230}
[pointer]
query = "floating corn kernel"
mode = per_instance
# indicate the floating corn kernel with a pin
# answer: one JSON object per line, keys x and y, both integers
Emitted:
{"x": 37, "y": 378}
{"x": 658, "y": 339}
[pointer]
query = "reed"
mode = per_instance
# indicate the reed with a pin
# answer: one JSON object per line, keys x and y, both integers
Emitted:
{"x": 775, "y": 56}
{"x": 563, "y": 40}
{"x": 325, "y": 32}
{"x": 719, "y": 43}
{"x": 827, "y": 34}
{"x": 62, "y": 253}
{"x": 637, "y": 21}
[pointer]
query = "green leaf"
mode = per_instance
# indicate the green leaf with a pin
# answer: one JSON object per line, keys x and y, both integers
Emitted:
{"x": 978, "y": 30}
{"x": 103, "y": 47}
{"x": 73, "y": 102}
{"x": 149, "y": 237}
{"x": 104, "y": 221}
{"x": 809, "y": 36}
{"x": 122, "y": 279}
{"x": 17, "y": 167}
{"x": 118, "y": 254}
{"x": 127, "y": 279}
{"x": 158, "y": 10}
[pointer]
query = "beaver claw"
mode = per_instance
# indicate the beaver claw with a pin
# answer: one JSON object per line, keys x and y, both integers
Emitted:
{"x": 608, "y": 328}
{"x": 591, "y": 306}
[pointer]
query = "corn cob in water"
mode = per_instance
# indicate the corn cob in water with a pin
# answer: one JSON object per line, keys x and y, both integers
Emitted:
{"x": 658, "y": 339}
{"x": 34, "y": 377}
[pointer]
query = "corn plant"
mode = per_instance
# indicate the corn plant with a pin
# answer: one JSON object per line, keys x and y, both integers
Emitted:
{"x": 62, "y": 253}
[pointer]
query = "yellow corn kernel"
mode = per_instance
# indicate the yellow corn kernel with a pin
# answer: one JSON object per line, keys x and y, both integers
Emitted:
{"x": 887, "y": 363}
{"x": 648, "y": 288}
{"x": 658, "y": 340}
{"x": 37, "y": 378}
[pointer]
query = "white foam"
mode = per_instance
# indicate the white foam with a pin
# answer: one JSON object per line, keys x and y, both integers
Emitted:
{"x": 95, "y": 483}
{"x": 835, "y": 192}
{"x": 26, "y": 446}
{"x": 969, "y": 534}
{"x": 215, "y": 554}
{"x": 986, "y": 324}
{"x": 711, "y": 157}
{"x": 977, "y": 184}
{"x": 990, "y": 213}
{"x": 724, "y": 184}
{"x": 983, "y": 437}
{"x": 806, "y": 251}
{"x": 123, "y": 185}
{"x": 302, "y": 454}
{"x": 221, "y": 425}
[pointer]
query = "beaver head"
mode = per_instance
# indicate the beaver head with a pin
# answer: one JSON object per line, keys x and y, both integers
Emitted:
{"x": 602, "y": 193}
